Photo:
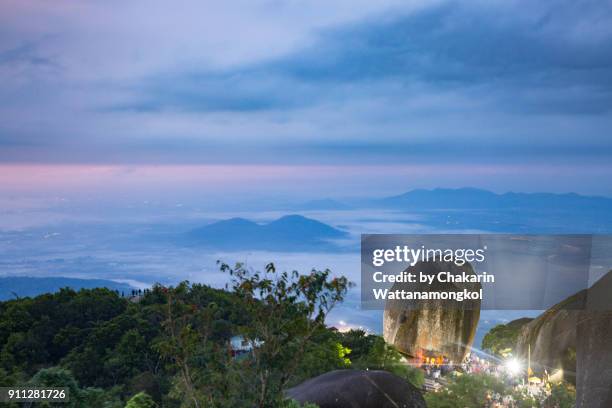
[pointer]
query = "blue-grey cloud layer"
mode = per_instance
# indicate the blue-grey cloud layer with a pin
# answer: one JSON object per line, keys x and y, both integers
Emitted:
{"x": 450, "y": 46}
{"x": 455, "y": 81}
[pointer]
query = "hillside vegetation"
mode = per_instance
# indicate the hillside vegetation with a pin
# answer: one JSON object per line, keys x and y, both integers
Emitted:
{"x": 171, "y": 346}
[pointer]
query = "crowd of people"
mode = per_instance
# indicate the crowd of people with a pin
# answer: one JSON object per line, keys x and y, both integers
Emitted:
{"x": 436, "y": 370}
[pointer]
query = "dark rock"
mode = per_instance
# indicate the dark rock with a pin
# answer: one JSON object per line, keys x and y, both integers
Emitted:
{"x": 552, "y": 337}
{"x": 578, "y": 341}
{"x": 440, "y": 327}
{"x": 594, "y": 360}
{"x": 358, "y": 389}
{"x": 594, "y": 347}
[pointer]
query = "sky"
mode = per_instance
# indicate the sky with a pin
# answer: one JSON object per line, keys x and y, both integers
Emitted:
{"x": 348, "y": 97}
{"x": 206, "y": 105}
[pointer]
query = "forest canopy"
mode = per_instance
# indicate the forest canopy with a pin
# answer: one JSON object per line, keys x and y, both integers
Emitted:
{"x": 171, "y": 346}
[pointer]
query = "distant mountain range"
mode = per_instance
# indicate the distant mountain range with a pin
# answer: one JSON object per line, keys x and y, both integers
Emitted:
{"x": 26, "y": 286}
{"x": 288, "y": 233}
{"x": 468, "y": 198}
{"x": 476, "y": 209}
{"x": 445, "y": 209}
{"x": 473, "y": 198}
{"x": 470, "y": 208}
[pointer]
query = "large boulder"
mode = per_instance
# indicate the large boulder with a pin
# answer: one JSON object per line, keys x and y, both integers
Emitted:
{"x": 443, "y": 328}
{"x": 358, "y": 389}
{"x": 576, "y": 336}
{"x": 594, "y": 360}
{"x": 594, "y": 347}
{"x": 552, "y": 338}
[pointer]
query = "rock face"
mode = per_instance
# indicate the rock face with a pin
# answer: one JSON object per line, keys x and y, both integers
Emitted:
{"x": 594, "y": 360}
{"x": 358, "y": 389}
{"x": 552, "y": 337}
{"x": 433, "y": 327}
{"x": 594, "y": 347}
{"x": 579, "y": 341}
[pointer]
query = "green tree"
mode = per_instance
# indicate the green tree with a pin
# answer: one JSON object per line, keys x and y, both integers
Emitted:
{"x": 325, "y": 352}
{"x": 40, "y": 332}
{"x": 173, "y": 344}
{"x": 501, "y": 340}
{"x": 141, "y": 400}
{"x": 522, "y": 399}
{"x": 563, "y": 395}
{"x": 188, "y": 345}
{"x": 282, "y": 316}
{"x": 58, "y": 377}
{"x": 286, "y": 310}
{"x": 466, "y": 391}
{"x": 372, "y": 352}
{"x": 359, "y": 342}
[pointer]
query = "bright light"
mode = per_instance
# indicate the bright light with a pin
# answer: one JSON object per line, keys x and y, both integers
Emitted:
{"x": 513, "y": 366}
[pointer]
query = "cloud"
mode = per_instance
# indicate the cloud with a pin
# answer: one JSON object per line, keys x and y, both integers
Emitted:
{"x": 449, "y": 46}
{"x": 294, "y": 82}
